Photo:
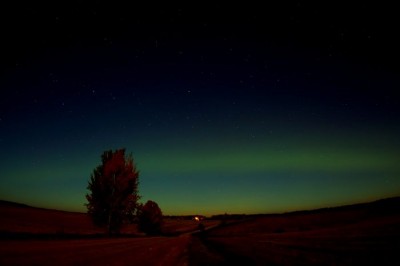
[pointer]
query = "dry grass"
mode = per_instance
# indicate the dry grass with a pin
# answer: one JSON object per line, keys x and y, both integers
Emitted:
{"x": 42, "y": 221}
{"x": 51, "y": 250}
{"x": 36, "y": 221}
{"x": 360, "y": 235}
{"x": 121, "y": 251}
{"x": 338, "y": 237}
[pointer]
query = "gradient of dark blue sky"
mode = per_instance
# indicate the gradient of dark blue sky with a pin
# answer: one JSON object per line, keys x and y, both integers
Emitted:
{"x": 225, "y": 109}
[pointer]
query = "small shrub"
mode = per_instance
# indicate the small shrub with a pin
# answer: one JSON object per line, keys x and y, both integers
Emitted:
{"x": 150, "y": 218}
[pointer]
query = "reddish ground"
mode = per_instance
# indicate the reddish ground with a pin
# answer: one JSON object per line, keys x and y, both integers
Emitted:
{"x": 358, "y": 235}
{"x": 34, "y": 236}
{"x": 16, "y": 219}
{"x": 123, "y": 251}
{"x": 347, "y": 236}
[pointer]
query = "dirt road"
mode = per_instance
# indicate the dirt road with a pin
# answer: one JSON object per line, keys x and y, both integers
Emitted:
{"x": 119, "y": 251}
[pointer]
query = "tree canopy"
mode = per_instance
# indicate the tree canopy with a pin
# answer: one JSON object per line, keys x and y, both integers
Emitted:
{"x": 113, "y": 186}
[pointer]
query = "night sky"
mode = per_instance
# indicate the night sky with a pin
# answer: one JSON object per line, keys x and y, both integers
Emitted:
{"x": 236, "y": 109}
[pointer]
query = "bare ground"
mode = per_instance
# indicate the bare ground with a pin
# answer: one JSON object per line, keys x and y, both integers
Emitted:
{"x": 122, "y": 251}
{"x": 360, "y": 235}
{"x": 373, "y": 241}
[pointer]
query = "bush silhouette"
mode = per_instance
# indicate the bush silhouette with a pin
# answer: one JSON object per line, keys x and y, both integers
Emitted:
{"x": 150, "y": 218}
{"x": 113, "y": 191}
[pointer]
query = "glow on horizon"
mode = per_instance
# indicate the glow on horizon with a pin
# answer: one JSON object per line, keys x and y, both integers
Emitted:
{"x": 208, "y": 181}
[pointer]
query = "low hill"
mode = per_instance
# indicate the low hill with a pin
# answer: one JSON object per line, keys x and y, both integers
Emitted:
{"x": 23, "y": 221}
{"x": 360, "y": 234}
{"x": 19, "y": 218}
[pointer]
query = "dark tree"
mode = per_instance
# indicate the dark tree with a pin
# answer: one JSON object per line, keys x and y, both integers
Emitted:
{"x": 150, "y": 218}
{"x": 113, "y": 191}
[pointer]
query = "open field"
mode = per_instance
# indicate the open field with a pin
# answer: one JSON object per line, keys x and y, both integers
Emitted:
{"x": 358, "y": 235}
{"x": 29, "y": 221}
{"x": 117, "y": 251}
{"x": 24, "y": 219}
{"x": 35, "y": 236}
{"x": 366, "y": 234}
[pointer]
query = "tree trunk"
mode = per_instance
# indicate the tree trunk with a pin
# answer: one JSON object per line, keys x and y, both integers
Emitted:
{"x": 111, "y": 207}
